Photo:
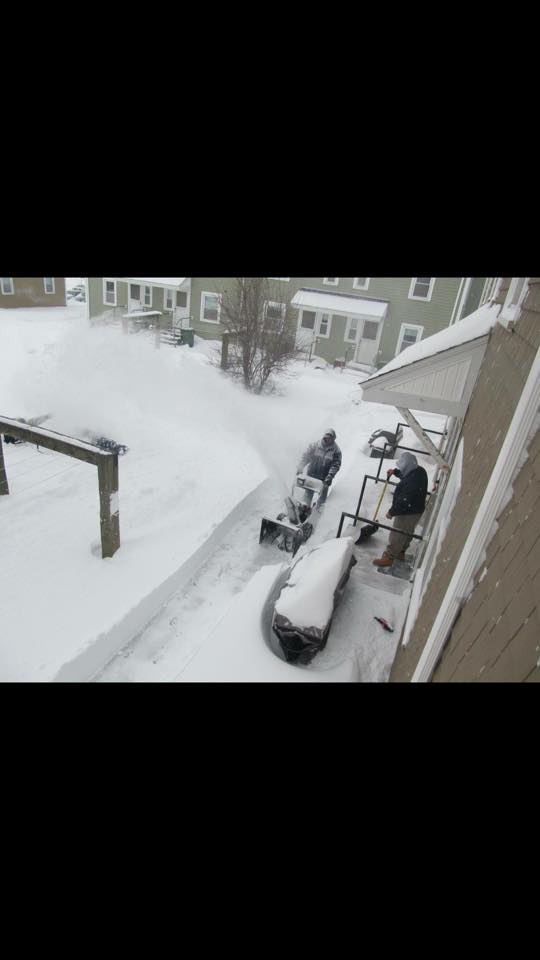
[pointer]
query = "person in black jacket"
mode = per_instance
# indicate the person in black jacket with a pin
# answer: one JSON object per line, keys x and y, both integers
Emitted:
{"x": 323, "y": 460}
{"x": 408, "y": 505}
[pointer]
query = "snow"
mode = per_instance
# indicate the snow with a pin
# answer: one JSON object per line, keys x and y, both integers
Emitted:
{"x": 206, "y": 460}
{"x": 238, "y": 649}
{"x": 307, "y": 600}
{"x": 476, "y": 325}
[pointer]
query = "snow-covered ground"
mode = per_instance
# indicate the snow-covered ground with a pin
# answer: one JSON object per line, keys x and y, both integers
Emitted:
{"x": 205, "y": 461}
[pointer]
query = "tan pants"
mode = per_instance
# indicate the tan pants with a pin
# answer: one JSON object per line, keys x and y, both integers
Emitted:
{"x": 398, "y": 542}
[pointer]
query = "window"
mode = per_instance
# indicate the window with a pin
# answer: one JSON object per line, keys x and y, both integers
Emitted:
{"x": 324, "y": 325}
{"x": 371, "y": 330}
{"x": 181, "y": 298}
{"x": 319, "y": 323}
{"x": 210, "y": 307}
{"x": 7, "y": 286}
{"x": 274, "y": 313}
{"x": 409, "y": 334}
{"x": 148, "y": 296}
{"x": 169, "y": 299}
{"x": 421, "y": 288}
{"x": 48, "y": 283}
{"x": 361, "y": 283}
{"x": 351, "y": 331}
{"x": 308, "y": 320}
{"x": 109, "y": 292}
{"x": 331, "y": 281}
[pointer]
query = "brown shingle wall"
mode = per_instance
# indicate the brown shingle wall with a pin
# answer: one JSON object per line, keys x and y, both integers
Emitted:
{"x": 506, "y": 365}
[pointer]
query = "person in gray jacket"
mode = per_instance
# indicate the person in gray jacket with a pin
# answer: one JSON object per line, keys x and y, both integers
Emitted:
{"x": 323, "y": 461}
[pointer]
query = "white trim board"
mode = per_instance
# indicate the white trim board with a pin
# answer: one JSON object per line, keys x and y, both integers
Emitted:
{"x": 480, "y": 534}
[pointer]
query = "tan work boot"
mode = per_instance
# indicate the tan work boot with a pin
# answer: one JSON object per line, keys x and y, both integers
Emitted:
{"x": 385, "y": 561}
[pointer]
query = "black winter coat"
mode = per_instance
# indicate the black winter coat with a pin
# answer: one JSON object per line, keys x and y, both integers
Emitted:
{"x": 410, "y": 494}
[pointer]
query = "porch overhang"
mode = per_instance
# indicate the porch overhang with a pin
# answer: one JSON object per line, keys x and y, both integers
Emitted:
{"x": 437, "y": 374}
{"x": 340, "y": 303}
{"x": 171, "y": 283}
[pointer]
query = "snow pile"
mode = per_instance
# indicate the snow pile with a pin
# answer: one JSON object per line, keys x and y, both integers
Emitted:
{"x": 307, "y": 600}
{"x": 200, "y": 448}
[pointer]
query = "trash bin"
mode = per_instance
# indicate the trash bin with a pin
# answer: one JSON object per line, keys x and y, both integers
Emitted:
{"x": 188, "y": 336}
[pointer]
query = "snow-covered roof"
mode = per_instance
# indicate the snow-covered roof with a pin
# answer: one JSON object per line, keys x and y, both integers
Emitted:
{"x": 437, "y": 374}
{"x": 340, "y": 303}
{"x": 172, "y": 283}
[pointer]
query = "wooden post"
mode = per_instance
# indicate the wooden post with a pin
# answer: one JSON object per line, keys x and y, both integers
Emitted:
{"x": 4, "y": 488}
{"x": 224, "y": 351}
{"x": 109, "y": 505}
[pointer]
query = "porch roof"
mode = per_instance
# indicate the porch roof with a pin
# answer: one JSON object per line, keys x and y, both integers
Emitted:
{"x": 172, "y": 283}
{"x": 340, "y": 303}
{"x": 437, "y": 374}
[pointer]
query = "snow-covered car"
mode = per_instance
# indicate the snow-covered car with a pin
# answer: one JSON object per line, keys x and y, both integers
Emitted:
{"x": 76, "y": 293}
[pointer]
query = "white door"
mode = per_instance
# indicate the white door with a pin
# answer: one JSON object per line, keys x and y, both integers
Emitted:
{"x": 134, "y": 297}
{"x": 369, "y": 335}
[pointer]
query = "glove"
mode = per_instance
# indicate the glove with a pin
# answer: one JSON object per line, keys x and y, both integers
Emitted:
{"x": 328, "y": 481}
{"x": 389, "y": 473}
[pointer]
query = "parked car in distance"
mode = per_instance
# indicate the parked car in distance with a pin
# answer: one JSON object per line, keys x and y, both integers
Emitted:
{"x": 77, "y": 293}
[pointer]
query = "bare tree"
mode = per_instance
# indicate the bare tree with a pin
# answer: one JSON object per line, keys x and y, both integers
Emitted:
{"x": 259, "y": 319}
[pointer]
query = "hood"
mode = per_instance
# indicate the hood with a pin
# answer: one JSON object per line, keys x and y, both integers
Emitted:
{"x": 406, "y": 463}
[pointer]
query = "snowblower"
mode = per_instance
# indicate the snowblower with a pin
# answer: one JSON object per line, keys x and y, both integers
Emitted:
{"x": 291, "y": 529}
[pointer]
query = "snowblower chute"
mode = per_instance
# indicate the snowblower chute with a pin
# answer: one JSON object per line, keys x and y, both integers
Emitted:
{"x": 305, "y": 607}
{"x": 291, "y": 529}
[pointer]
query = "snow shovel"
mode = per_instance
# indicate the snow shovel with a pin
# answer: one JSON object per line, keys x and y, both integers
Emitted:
{"x": 372, "y": 528}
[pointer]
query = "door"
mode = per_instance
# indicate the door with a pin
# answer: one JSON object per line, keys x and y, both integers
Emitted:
{"x": 369, "y": 335}
{"x": 134, "y": 297}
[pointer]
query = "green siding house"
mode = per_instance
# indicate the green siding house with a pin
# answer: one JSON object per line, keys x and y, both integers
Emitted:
{"x": 364, "y": 320}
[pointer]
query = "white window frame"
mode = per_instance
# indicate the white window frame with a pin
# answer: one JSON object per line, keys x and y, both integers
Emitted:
{"x": 49, "y": 293}
{"x": 320, "y": 315}
{"x": 170, "y": 290}
{"x": 350, "y": 320}
{"x": 408, "y": 326}
{"x": 11, "y": 291}
{"x": 275, "y": 303}
{"x": 430, "y": 291}
{"x": 209, "y": 293}
{"x": 331, "y": 283}
{"x": 106, "y": 302}
{"x": 146, "y": 287}
{"x": 357, "y": 286}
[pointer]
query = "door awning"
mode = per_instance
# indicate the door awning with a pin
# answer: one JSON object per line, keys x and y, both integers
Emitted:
{"x": 437, "y": 374}
{"x": 172, "y": 283}
{"x": 340, "y": 303}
